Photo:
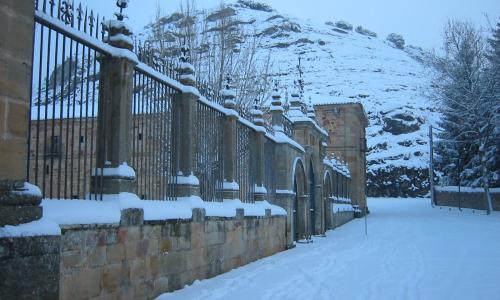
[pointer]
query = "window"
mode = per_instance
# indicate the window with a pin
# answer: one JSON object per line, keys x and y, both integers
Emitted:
{"x": 53, "y": 149}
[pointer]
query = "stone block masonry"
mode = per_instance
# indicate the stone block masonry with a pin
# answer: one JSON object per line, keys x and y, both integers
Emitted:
{"x": 140, "y": 260}
{"x": 39, "y": 255}
{"x": 468, "y": 198}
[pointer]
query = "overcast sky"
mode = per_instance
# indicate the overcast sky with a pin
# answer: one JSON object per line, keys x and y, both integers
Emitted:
{"x": 419, "y": 21}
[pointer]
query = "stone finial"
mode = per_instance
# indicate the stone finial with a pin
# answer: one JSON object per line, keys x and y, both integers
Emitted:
{"x": 186, "y": 69}
{"x": 257, "y": 114}
{"x": 228, "y": 94}
{"x": 310, "y": 110}
{"x": 296, "y": 101}
{"x": 276, "y": 97}
{"x": 277, "y": 109}
{"x": 119, "y": 33}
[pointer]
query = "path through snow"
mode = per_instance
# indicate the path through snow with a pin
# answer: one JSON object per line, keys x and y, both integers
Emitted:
{"x": 412, "y": 251}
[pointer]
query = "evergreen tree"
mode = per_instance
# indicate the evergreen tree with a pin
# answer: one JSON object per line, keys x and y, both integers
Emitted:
{"x": 492, "y": 109}
{"x": 459, "y": 90}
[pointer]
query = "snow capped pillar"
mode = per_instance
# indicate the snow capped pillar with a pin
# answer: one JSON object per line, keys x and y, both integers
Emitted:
{"x": 186, "y": 69}
{"x": 229, "y": 95}
{"x": 119, "y": 33}
{"x": 277, "y": 109}
{"x": 230, "y": 188}
{"x": 185, "y": 111}
{"x": 258, "y": 140}
{"x": 113, "y": 175}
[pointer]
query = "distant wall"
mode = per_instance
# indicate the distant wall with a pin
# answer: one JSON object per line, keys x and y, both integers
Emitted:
{"x": 341, "y": 218}
{"x": 468, "y": 198}
{"x": 140, "y": 260}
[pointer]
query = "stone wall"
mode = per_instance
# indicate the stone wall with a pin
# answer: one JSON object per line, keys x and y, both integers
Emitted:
{"x": 140, "y": 260}
{"x": 341, "y": 218}
{"x": 29, "y": 267}
{"x": 473, "y": 200}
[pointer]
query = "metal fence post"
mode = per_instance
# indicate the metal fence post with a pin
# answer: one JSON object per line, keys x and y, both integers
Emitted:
{"x": 431, "y": 166}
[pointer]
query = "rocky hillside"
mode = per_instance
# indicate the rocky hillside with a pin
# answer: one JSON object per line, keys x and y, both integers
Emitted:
{"x": 349, "y": 63}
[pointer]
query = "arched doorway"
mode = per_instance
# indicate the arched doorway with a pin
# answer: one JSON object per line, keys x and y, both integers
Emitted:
{"x": 299, "y": 207}
{"x": 312, "y": 199}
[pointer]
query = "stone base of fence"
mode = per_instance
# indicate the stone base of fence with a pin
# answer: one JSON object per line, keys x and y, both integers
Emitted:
{"x": 473, "y": 199}
{"x": 135, "y": 259}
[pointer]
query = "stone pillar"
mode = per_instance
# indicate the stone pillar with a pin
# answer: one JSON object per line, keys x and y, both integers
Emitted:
{"x": 185, "y": 112}
{"x": 230, "y": 189}
{"x": 29, "y": 265}
{"x": 19, "y": 201}
{"x": 114, "y": 126}
{"x": 258, "y": 141}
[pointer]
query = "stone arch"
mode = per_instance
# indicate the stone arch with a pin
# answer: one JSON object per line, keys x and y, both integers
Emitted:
{"x": 299, "y": 206}
{"x": 327, "y": 193}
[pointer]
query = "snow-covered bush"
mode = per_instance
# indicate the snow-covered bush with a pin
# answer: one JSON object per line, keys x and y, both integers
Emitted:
{"x": 344, "y": 25}
{"x": 397, "y": 40}
{"x": 365, "y": 31}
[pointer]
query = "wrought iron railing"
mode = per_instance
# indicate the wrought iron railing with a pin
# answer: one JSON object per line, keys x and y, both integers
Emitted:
{"x": 153, "y": 154}
{"x": 245, "y": 169}
{"x": 64, "y": 100}
{"x": 151, "y": 57}
{"x": 269, "y": 171}
{"x": 288, "y": 126}
{"x": 209, "y": 92}
{"x": 208, "y": 152}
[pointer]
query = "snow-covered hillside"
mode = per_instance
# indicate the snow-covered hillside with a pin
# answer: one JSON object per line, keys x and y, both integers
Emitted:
{"x": 342, "y": 65}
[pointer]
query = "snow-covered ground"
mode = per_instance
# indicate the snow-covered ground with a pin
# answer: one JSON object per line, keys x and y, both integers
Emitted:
{"x": 412, "y": 251}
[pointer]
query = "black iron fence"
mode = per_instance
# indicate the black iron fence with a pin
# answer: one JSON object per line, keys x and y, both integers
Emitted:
{"x": 245, "y": 169}
{"x": 151, "y": 57}
{"x": 287, "y": 126}
{"x": 208, "y": 152}
{"x": 209, "y": 92}
{"x": 269, "y": 171}
{"x": 153, "y": 155}
{"x": 65, "y": 105}
{"x": 64, "y": 100}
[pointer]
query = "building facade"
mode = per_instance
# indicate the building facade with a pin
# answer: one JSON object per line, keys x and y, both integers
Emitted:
{"x": 346, "y": 125}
